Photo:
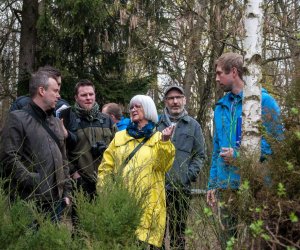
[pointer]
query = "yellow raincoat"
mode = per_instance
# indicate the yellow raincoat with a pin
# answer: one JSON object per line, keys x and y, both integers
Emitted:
{"x": 145, "y": 172}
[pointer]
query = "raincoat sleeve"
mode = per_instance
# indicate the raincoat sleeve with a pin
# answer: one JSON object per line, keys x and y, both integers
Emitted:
{"x": 107, "y": 166}
{"x": 165, "y": 153}
{"x": 271, "y": 122}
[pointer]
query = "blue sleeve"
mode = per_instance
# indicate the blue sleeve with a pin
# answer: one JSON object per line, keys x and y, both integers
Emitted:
{"x": 271, "y": 121}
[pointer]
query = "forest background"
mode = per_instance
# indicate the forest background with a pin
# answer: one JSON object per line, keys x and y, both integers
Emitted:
{"x": 141, "y": 46}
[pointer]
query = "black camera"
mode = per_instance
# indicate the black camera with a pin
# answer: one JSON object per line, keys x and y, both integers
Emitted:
{"x": 98, "y": 149}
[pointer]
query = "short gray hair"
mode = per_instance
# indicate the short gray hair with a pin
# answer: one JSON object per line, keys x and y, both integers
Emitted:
{"x": 39, "y": 79}
{"x": 148, "y": 106}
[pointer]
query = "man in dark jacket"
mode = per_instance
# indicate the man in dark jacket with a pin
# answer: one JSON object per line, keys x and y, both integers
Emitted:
{"x": 95, "y": 131}
{"x": 189, "y": 159}
{"x": 70, "y": 127}
{"x": 32, "y": 149}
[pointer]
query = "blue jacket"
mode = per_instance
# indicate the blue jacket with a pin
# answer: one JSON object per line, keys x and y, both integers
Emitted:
{"x": 123, "y": 123}
{"x": 227, "y": 133}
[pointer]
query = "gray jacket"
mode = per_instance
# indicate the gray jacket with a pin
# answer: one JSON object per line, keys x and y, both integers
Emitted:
{"x": 190, "y": 152}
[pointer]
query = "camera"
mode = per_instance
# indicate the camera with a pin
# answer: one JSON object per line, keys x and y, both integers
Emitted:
{"x": 98, "y": 149}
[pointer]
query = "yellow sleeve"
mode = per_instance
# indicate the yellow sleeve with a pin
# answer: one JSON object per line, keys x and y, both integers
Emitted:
{"x": 107, "y": 165}
{"x": 165, "y": 152}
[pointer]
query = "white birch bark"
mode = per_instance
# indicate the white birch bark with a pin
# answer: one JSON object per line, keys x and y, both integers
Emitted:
{"x": 252, "y": 91}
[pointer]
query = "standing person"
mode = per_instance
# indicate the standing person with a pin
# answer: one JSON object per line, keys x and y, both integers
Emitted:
{"x": 95, "y": 131}
{"x": 145, "y": 171}
{"x": 22, "y": 101}
{"x": 227, "y": 132}
{"x": 115, "y": 112}
{"x": 69, "y": 126}
{"x": 33, "y": 152}
{"x": 189, "y": 159}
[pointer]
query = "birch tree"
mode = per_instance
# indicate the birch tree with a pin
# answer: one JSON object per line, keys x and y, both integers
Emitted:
{"x": 252, "y": 90}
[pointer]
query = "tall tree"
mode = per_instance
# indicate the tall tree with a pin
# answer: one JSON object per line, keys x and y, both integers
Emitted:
{"x": 252, "y": 90}
{"x": 28, "y": 40}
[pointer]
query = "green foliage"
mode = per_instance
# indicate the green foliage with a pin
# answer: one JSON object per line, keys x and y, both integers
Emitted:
{"x": 14, "y": 221}
{"x": 111, "y": 218}
{"x": 281, "y": 191}
{"x": 257, "y": 227}
{"x": 49, "y": 236}
{"x": 82, "y": 38}
{"x": 293, "y": 217}
{"x": 108, "y": 222}
{"x": 230, "y": 243}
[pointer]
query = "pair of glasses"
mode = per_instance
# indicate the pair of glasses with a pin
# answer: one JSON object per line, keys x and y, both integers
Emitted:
{"x": 172, "y": 98}
{"x": 135, "y": 106}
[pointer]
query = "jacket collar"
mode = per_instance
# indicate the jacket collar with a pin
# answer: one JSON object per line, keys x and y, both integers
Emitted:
{"x": 125, "y": 138}
{"x": 186, "y": 118}
{"x": 39, "y": 112}
{"x": 229, "y": 98}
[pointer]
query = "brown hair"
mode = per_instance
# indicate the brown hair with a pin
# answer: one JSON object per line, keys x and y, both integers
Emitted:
{"x": 81, "y": 83}
{"x": 113, "y": 109}
{"x": 230, "y": 60}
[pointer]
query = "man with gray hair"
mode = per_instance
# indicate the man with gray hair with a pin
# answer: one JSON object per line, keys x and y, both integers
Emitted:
{"x": 32, "y": 149}
{"x": 189, "y": 159}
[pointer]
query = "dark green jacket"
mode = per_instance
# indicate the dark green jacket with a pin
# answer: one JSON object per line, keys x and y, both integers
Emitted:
{"x": 101, "y": 129}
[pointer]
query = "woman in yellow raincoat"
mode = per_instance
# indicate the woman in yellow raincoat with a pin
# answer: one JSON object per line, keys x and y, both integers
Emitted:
{"x": 145, "y": 171}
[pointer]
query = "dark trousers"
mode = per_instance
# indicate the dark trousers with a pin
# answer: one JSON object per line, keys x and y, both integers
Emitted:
{"x": 52, "y": 209}
{"x": 178, "y": 203}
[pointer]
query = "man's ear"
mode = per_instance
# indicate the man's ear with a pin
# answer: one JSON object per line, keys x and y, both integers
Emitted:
{"x": 234, "y": 72}
{"x": 41, "y": 91}
{"x": 184, "y": 100}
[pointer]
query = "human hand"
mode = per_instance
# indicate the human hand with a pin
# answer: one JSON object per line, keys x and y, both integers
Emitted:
{"x": 67, "y": 201}
{"x": 167, "y": 133}
{"x": 211, "y": 198}
{"x": 227, "y": 155}
{"x": 64, "y": 128}
{"x": 76, "y": 175}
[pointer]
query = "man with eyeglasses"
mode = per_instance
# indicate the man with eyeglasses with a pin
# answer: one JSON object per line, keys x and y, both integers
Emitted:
{"x": 189, "y": 159}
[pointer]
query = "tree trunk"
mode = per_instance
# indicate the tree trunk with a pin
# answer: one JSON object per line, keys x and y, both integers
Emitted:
{"x": 252, "y": 91}
{"x": 27, "y": 44}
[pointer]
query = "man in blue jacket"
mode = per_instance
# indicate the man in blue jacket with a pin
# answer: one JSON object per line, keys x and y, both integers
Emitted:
{"x": 228, "y": 122}
{"x": 115, "y": 112}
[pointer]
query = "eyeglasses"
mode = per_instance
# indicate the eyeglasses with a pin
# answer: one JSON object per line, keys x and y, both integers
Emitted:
{"x": 172, "y": 98}
{"x": 135, "y": 106}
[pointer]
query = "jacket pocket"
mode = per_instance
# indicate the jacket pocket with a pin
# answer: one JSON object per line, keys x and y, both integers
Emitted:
{"x": 184, "y": 142}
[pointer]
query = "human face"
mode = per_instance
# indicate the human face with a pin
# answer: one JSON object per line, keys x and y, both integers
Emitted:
{"x": 85, "y": 97}
{"x": 137, "y": 114}
{"x": 225, "y": 81}
{"x": 50, "y": 96}
{"x": 175, "y": 102}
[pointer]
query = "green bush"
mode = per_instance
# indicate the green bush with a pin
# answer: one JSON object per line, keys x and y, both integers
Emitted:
{"x": 111, "y": 218}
